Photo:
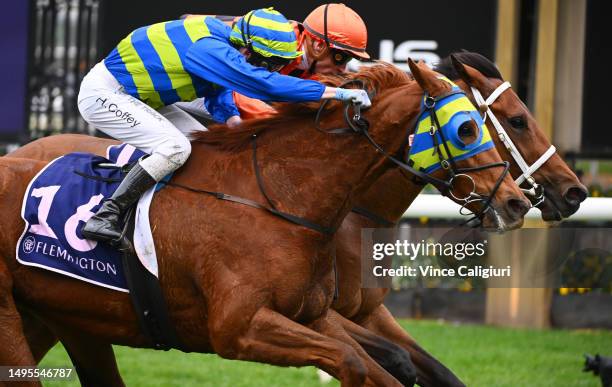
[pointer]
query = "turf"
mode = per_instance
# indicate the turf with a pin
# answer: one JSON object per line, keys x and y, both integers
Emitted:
{"x": 479, "y": 355}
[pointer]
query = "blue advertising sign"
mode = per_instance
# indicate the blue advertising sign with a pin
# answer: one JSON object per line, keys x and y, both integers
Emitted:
{"x": 13, "y": 68}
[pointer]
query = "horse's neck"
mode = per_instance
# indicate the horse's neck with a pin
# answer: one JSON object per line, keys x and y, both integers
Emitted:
{"x": 304, "y": 172}
{"x": 390, "y": 195}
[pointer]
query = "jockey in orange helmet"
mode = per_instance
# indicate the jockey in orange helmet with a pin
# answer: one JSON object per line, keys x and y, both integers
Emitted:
{"x": 330, "y": 36}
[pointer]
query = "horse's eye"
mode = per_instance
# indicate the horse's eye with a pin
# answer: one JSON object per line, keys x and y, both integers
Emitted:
{"x": 465, "y": 129}
{"x": 518, "y": 122}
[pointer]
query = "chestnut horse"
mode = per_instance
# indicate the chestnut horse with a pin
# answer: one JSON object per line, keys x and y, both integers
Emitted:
{"x": 392, "y": 194}
{"x": 390, "y": 199}
{"x": 266, "y": 298}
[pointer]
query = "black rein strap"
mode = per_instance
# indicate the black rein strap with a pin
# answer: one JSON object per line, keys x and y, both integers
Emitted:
{"x": 271, "y": 208}
{"x": 357, "y": 124}
{"x": 372, "y": 216}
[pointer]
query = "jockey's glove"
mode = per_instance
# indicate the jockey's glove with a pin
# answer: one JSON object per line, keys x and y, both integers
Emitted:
{"x": 357, "y": 96}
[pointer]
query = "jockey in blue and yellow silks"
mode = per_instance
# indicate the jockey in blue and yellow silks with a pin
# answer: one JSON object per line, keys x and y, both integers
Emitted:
{"x": 330, "y": 36}
{"x": 129, "y": 95}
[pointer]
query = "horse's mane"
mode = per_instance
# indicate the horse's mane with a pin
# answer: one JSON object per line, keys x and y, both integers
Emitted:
{"x": 378, "y": 77}
{"x": 472, "y": 59}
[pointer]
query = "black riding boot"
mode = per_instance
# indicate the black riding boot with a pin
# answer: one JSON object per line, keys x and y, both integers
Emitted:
{"x": 105, "y": 225}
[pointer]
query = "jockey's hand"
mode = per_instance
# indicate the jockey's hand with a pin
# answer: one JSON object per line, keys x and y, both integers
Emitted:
{"x": 357, "y": 96}
{"x": 233, "y": 121}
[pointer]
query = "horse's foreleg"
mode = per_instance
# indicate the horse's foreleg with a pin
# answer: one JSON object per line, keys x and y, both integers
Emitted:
{"x": 14, "y": 350}
{"x": 430, "y": 372}
{"x": 272, "y": 338}
{"x": 380, "y": 356}
{"x": 393, "y": 358}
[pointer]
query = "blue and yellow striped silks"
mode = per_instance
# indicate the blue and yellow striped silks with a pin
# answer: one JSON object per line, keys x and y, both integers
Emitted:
{"x": 270, "y": 33}
{"x": 149, "y": 61}
{"x": 451, "y": 112}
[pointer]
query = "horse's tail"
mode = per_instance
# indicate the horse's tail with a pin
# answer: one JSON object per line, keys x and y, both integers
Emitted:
{"x": 7, "y": 227}
{"x": 10, "y": 205}
{"x": 15, "y": 174}
{"x": 5, "y": 172}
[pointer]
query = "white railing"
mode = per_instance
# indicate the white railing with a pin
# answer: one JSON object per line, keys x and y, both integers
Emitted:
{"x": 437, "y": 207}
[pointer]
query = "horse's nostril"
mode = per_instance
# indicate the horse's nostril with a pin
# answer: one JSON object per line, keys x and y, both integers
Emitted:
{"x": 518, "y": 207}
{"x": 575, "y": 195}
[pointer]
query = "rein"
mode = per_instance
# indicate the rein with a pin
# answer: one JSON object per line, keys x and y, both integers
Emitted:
{"x": 358, "y": 124}
{"x": 372, "y": 216}
{"x": 271, "y": 208}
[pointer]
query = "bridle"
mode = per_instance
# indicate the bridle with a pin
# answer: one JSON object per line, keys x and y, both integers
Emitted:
{"x": 358, "y": 124}
{"x": 535, "y": 191}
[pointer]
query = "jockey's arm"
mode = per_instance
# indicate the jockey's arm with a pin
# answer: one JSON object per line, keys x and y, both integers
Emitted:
{"x": 222, "y": 106}
{"x": 216, "y": 61}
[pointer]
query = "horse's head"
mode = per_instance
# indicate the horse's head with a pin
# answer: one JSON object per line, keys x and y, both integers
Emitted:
{"x": 452, "y": 144}
{"x": 546, "y": 178}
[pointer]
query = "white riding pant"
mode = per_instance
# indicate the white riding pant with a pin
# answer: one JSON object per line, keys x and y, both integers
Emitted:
{"x": 164, "y": 133}
{"x": 196, "y": 107}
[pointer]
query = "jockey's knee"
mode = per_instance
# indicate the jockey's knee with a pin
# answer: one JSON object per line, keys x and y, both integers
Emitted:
{"x": 177, "y": 150}
{"x": 167, "y": 158}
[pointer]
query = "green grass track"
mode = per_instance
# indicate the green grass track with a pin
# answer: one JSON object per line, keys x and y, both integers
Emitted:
{"x": 479, "y": 355}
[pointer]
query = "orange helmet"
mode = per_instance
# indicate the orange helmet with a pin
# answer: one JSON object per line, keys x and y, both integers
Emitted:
{"x": 339, "y": 27}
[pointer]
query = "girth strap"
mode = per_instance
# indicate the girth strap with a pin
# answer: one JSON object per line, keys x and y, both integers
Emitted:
{"x": 146, "y": 295}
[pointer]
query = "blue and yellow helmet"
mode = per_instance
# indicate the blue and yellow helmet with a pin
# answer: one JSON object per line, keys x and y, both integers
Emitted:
{"x": 266, "y": 32}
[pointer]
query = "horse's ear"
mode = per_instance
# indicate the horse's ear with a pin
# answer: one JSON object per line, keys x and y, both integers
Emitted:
{"x": 461, "y": 70}
{"x": 469, "y": 75}
{"x": 425, "y": 77}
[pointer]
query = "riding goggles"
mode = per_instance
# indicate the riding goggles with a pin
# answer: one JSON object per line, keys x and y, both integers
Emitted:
{"x": 271, "y": 63}
{"x": 340, "y": 57}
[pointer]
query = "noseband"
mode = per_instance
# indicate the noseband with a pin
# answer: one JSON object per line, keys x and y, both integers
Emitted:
{"x": 535, "y": 191}
{"x": 358, "y": 124}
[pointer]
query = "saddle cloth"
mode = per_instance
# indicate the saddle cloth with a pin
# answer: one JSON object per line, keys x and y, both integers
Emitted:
{"x": 58, "y": 202}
